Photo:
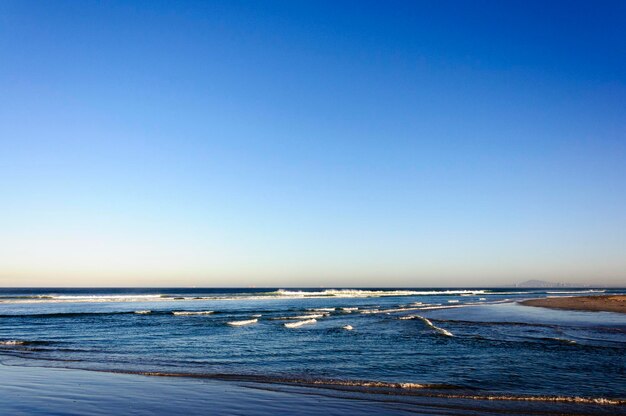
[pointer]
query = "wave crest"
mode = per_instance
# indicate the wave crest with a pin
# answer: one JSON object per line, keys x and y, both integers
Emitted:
{"x": 361, "y": 293}
{"x": 187, "y": 313}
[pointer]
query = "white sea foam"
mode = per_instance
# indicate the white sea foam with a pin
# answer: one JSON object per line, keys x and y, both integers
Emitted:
{"x": 242, "y": 323}
{"x": 282, "y": 293}
{"x": 347, "y": 327}
{"x": 145, "y": 312}
{"x": 307, "y": 316}
{"x": 13, "y": 342}
{"x": 430, "y": 324}
{"x": 396, "y": 310}
{"x": 574, "y": 291}
{"x": 345, "y": 309}
{"x": 453, "y": 301}
{"x": 85, "y": 298}
{"x": 358, "y": 293}
{"x": 300, "y": 323}
{"x": 366, "y": 384}
{"x": 185, "y": 313}
{"x": 258, "y": 315}
{"x": 104, "y": 297}
{"x": 388, "y": 311}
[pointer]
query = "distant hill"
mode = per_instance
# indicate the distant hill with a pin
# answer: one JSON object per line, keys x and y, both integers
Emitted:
{"x": 543, "y": 283}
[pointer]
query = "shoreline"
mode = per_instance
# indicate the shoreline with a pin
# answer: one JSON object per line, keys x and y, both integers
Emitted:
{"x": 43, "y": 390}
{"x": 595, "y": 303}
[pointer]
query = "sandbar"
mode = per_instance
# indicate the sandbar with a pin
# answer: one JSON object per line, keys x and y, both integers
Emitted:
{"x": 598, "y": 303}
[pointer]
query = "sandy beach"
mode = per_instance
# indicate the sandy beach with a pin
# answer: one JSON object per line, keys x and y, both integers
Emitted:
{"x": 614, "y": 303}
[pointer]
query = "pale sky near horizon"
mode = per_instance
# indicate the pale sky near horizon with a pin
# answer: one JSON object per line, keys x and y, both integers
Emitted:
{"x": 312, "y": 143}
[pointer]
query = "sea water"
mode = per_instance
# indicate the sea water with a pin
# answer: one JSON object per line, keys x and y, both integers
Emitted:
{"x": 456, "y": 342}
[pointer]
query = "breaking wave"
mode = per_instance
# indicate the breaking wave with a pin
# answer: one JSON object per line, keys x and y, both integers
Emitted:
{"x": 280, "y": 293}
{"x": 430, "y": 324}
{"x": 185, "y": 313}
{"x": 564, "y": 292}
{"x": 360, "y": 293}
{"x": 21, "y": 342}
{"x": 290, "y": 318}
{"x": 81, "y": 298}
{"x": 299, "y": 323}
{"x": 242, "y": 323}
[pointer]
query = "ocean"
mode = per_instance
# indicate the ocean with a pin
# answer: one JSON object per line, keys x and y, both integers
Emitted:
{"x": 457, "y": 343}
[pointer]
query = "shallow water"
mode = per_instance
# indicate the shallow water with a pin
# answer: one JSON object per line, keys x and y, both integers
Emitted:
{"x": 439, "y": 342}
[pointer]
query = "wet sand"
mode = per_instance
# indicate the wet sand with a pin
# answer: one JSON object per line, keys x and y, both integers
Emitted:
{"x": 613, "y": 303}
{"x": 50, "y": 391}
{"x": 53, "y": 391}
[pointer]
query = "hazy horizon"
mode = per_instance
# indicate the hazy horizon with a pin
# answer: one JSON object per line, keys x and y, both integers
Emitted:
{"x": 317, "y": 287}
{"x": 308, "y": 144}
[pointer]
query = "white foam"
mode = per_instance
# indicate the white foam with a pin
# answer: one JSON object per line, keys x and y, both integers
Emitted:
{"x": 358, "y": 293}
{"x": 86, "y": 298}
{"x": 186, "y": 313}
{"x": 146, "y": 312}
{"x": 242, "y": 323}
{"x": 453, "y": 301}
{"x": 347, "y": 327}
{"x": 12, "y": 342}
{"x": 388, "y": 311}
{"x": 430, "y": 324}
{"x": 279, "y": 294}
{"x": 574, "y": 291}
{"x": 104, "y": 297}
{"x": 291, "y": 318}
{"x": 300, "y": 323}
{"x": 310, "y": 316}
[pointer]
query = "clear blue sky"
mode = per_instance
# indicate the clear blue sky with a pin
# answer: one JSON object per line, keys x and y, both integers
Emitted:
{"x": 338, "y": 143}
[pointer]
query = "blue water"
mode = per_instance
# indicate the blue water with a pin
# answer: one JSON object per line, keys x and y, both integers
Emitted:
{"x": 473, "y": 343}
